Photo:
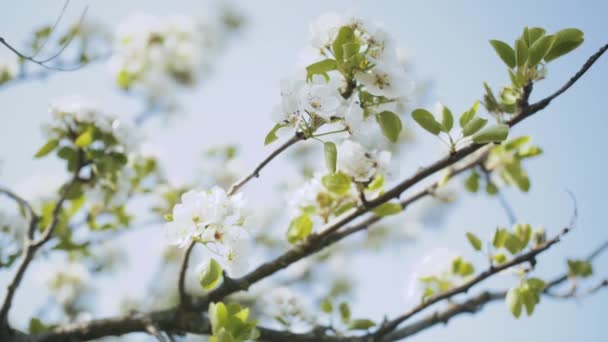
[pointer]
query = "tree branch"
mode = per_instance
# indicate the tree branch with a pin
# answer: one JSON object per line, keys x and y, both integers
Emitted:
{"x": 181, "y": 285}
{"x": 256, "y": 172}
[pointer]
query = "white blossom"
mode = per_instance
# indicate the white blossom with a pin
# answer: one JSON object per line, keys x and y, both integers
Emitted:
{"x": 437, "y": 262}
{"x": 289, "y": 305}
{"x": 215, "y": 219}
{"x": 155, "y": 54}
{"x": 305, "y": 195}
{"x": 71, "y": 111}
{"x": 386, "y": 79}
{"x": 359, "y": 163}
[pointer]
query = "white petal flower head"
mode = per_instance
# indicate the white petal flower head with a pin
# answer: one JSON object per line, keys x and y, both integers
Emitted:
{"x": 305, "y": 196}
{"x": 386, "y": 79}
{"x": 359, "y": 163}
{"x": 324, "y": 29}
{"x": 437, "y": 262}
{"x": 205, "y": 216}
{"x": 71, "y": 111}
{"x": 321, "y": 97}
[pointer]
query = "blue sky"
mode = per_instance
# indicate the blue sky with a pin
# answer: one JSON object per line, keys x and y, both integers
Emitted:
{"x": 448, "y": 42}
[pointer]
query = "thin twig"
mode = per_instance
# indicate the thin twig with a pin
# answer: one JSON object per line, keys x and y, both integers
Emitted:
{"x": 181, "y": 284}
{"x": 256, "y": 172}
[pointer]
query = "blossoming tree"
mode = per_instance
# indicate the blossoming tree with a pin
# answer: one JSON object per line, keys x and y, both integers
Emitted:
{"x": 350, "y": 107}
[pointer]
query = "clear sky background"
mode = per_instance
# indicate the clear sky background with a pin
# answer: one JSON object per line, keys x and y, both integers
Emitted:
{"x": 448, "y": 42}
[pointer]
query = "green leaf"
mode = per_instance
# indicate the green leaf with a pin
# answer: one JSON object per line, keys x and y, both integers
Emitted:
{"x": 426, "y": 120}
{"x": 320, "y": 68}
{"x": 467, "y": 116}
{"x": 376, "y": 184}
{"x": 299, "y": 228}
{"x": 533, "y": 34}
{"x": 387, "y": 209}
{"x": 272, "y": 135}
{"x": 517, "y": 175}
{"x": 521, "y": 52}
{"x": 338, "y": 183}
{"x": 499, "y": 258}
{"x": 447, "y": 119}
{"x": 524, "y": 233}
{"x": 37, "y": 326}
{"x": 513, "y": 244}
{"x": 496, "y": 133}
{"x": 505, "y": 52}
{"x": 566, "y": 40}
{"x": 211, "y": 276}
{"x": 539, "y": 49}
{"x": 580, "y": 268}
{"x": 528, "y": 300}
{"x": 331, "y": 156}
{"x": 472, "y": 182}
{"x": 345, "y": 35}
{"x": 516, "y": 142}
{"x": 491, "y": 188}
{"x": 473, "y": 126}
{"x": 344, "y": 312}
{"x": 474, "y": 241}
{"x": 536, "y": 284}
{"x": 514, "y": 301}
{"x": 86, "y": 138}
{"x": 500, "y": 236}
{"x": 327, "y": 306}
{"x": 361, "y": 324}
{"x": 47, "y": 148}
{"x": 218, "y": 316}
{"x": 390, "y": 124}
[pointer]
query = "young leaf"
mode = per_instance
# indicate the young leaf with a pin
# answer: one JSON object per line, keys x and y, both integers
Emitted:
{"x": 426, "y": 120}
{"x": 331, "y": 156}
{"x": 474, "y": 241}
{"x": 326, "y": 306}
{"x": 521, "y": 52}
{"x": 337, "y": 183}
{"x": 320, "y": 68}
{"x": 500, "y": 236}
{"x": 539, "y": 49}
{"x": 390, "y": 124}
{"x": 387, "y": 209}
{"x": 472, "y": 182}
{"x": 505, "y": 52}
{"x": 514, "y": 301}
{"x": 533, "y": 34}
{"x": 473, "y": 126}
{"x": 361, "y": 324}
{"x": 86, "y": 138}
{"x": 494, "y": 133}
{"x": 566, "y": 40}
{"x": 211, "y": 275}
{"x": 447, "y": 119}
{"x": 467, "y": 116}
{"x": 345, "y": 35}
{"x": 272, "y": 135}
{"x": 47, "y": 148}
{"x": 299, "y": 228}
{"x": 344, "y": 312}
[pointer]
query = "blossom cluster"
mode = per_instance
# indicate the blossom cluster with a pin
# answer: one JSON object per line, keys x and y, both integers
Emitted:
{"x": 214, "y": 219}
{"x": 356, "y": 82}
{"x": 75, "y": 116}
{"x": 156, "y": 54}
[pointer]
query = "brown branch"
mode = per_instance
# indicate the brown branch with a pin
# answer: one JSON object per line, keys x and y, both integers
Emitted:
{"x": 530, "y": 257}
{"x": 181, "y": 284}
{"x": 474, "y": 304}
{"x": 256, "y": 172}
{"x": 30, "y": 248}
